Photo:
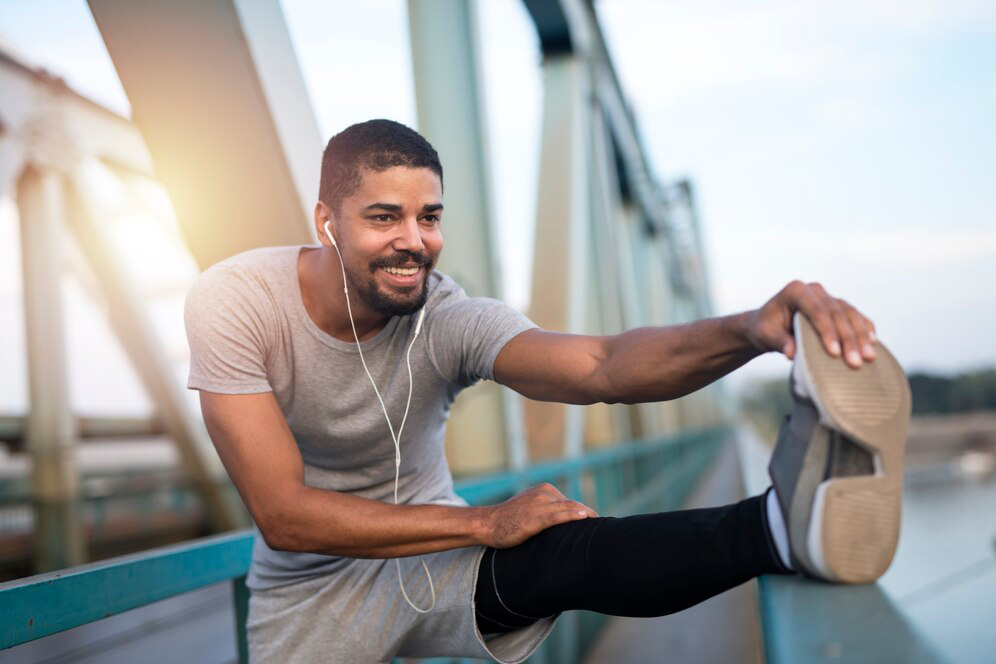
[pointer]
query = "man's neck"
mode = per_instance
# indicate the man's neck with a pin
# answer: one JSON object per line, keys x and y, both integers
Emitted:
{"x": 320, "y": 277}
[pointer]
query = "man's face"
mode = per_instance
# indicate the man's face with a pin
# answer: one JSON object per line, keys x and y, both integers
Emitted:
{"x": 389, "y": 233}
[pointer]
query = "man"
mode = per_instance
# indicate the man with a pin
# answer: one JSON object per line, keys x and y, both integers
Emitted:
{"x": 301, "y": 356}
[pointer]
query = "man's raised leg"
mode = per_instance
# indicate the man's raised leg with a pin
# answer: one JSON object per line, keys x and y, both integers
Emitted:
{"x": 644, "y": 565}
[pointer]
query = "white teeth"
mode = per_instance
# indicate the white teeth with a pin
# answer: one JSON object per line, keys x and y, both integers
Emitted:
{"x": 402, "y": 271}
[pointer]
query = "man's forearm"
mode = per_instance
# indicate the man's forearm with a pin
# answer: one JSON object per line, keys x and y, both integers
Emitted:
{"x": 332, "y": 523}
{"x": 661, "y": 363}
{"x": 317, "y": 521}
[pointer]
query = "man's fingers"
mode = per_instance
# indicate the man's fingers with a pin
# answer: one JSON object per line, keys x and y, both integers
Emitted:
{"x": 551, "y": 495}
{"x": 846, "y": 333}
{"x": 570, "y": 506}
{"x": 815, "y": 306}
{"x": 564, "y": 516}
{"x": 531, "y": 512}
{"x": 580, "y": 507}
{"x": 862, "y": 328}
{"x": 561, "y": 516}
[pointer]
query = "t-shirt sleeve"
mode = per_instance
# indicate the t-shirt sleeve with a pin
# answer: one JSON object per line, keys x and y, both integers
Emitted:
{"x": 465, "y": 335}
{"x": 228, "y": 326}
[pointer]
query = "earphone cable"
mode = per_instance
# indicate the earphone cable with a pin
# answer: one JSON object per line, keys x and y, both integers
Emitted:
{"x": 394, "y": 437}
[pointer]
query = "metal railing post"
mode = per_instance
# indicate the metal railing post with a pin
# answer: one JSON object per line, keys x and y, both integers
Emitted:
{"x": 240, "y": 597}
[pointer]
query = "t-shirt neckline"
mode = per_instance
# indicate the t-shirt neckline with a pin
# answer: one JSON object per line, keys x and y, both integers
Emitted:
{"x": 319, "y": 333}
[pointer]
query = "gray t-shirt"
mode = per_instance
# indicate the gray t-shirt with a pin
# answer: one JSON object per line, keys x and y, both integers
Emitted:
{"x": 249, "y": 332}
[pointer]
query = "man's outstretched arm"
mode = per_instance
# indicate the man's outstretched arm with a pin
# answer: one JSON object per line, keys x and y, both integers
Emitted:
{"x": 661, "y": 363}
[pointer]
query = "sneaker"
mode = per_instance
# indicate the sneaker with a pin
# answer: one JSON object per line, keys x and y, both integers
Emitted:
{"x": 837, "y": 467}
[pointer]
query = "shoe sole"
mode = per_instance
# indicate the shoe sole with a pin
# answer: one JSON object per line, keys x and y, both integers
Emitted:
{"x": 854, "y": 528}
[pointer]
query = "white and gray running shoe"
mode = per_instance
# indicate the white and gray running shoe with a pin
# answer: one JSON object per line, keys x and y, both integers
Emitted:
{"x": 837, "y": 468}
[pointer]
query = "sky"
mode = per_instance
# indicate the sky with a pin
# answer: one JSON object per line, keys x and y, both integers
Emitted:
{"x": 850, "y": 143}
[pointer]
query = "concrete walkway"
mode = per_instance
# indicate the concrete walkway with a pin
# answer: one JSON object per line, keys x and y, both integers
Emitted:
{"x": 723, "y": 629}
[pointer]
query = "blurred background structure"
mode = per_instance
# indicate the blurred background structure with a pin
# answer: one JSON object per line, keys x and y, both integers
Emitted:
{"x": 141, "y": 142}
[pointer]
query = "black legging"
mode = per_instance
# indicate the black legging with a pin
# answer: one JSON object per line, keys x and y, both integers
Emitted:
{"x": 646, "y": 565}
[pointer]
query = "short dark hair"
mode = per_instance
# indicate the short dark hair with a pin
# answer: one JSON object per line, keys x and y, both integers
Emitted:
{"x": 374, "y": 145}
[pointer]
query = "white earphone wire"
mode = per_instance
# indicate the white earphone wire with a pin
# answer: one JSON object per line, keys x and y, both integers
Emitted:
{"x": 395, "y": 437}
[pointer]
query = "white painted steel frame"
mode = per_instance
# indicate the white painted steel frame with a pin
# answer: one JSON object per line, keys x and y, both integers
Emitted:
{"x": 51, "y": 136}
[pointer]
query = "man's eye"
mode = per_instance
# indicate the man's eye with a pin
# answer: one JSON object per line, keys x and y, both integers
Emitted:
{"x": 431, "y": 218}
{"x": 382, "y": 217}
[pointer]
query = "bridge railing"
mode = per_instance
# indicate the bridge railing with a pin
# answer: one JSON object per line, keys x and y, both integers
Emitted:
{"x": 632, "y": 477}
{"x": 805, "y": 621}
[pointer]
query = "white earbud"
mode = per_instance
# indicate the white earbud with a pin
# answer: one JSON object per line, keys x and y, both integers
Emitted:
{"x": 328, "y": 232}
{"x": 396, "y": 437}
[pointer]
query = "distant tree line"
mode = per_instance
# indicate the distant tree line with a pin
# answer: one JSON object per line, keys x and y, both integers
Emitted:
{"x": 767, "y": 402}
{"x": 938, "y": 395}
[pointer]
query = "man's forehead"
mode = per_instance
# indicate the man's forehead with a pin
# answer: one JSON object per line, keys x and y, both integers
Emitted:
{"x": 398, "y": 187}
{"x": 419, "y": 175}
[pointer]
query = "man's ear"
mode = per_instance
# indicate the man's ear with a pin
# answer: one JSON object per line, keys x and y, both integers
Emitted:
{"x": 322, "y": 214}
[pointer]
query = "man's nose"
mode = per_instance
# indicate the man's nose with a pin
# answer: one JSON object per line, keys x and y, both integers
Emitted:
{"x": 409, "y": 237}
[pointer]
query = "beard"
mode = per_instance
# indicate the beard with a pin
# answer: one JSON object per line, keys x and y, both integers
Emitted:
{"x": 395, "y": 301}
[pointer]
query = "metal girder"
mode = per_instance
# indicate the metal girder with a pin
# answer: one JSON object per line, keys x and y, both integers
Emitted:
{"x": 484, "y": 431}
{"x": 571, "y": 26}
{"x": 55, "y": 130}
{"x": 217, "y": 94}
{"x": 51, "y": 438}
{"x": 446, "y": 61}
{"x": 686, "y": 194}
{"x": 621, "y": 234}
{"x": 134, "y": 331}
{"x": 11, "y": 162}
{"x": 560, "y": 26}
{"x": 32, "y": 101}
{"x": 13, "y": 428}
{"x": 613, "y": 261}
{"x": 562, "y": 228}
{"x": 653, "y": 262}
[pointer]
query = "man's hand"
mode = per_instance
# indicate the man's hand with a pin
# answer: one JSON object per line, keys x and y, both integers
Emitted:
{"x": 842, "y": 327}
{"x": 530, "y": 512}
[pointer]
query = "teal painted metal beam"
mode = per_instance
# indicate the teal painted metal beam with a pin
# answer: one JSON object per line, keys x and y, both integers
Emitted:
{"x": 483, "y": 489}
{"x": 50, "y": 603}
{"x": 808, "y": 622}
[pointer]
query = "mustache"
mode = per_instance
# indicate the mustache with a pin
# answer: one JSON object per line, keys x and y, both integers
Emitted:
{"x": 402, "y": 259}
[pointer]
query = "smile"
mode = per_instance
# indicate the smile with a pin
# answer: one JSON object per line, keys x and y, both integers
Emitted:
{"x": 403, "y": 277}
{"x": 403, "y": 271}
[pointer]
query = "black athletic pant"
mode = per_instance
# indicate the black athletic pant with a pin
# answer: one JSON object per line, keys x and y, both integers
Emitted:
{"x": 645, "y": 565}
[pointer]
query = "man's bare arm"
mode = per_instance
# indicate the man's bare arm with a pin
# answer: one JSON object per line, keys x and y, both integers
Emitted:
{"x": 259, "y": 452}
{"x": 661, "y": 363}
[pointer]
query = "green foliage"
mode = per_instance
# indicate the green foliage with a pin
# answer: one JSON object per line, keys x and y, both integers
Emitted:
{"x": 766, "y": 402}
{"x": 939, "y": 395}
